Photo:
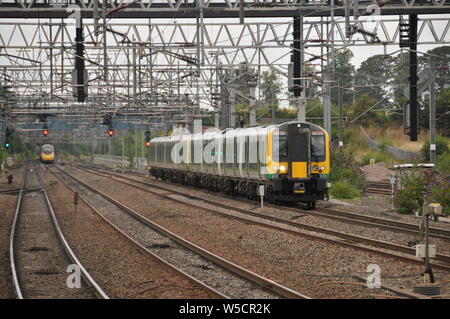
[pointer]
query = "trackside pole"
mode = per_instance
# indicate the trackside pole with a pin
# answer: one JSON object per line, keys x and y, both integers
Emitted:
{"x": 261, "y": 194}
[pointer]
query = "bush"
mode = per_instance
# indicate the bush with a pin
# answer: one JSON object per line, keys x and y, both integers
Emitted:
{"x": 441, "y": 147}
{"x": 345, "y": 175}
{"x": 437, "y": 189}
{"x": 410, "y": 197}
{"x": 443, "y": 163}
{"x": 378, "y": 155}
{"x": 344, "y": 189}
{"x": 429, "y": 186}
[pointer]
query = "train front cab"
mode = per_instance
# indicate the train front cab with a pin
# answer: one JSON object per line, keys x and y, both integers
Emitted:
{"x": 47, "y": 154}
{"x": 301, "y": 160}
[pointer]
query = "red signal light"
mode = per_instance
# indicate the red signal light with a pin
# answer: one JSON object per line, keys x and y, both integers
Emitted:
{"x": 147, "y": 144}
{"x": 45, "y": 132}
{"x": 110, "y": 132}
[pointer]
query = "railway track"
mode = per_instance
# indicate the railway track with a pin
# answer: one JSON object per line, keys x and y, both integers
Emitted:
{"x": 349, "y": 217}
{"x": 39, "y": 252}
{"x": 213, "y": 271}
{"x": 372, "y": 221}
{"x": 387, "y": 249}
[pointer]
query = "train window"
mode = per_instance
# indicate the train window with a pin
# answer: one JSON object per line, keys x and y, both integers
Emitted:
{"x": 246, "y": 146}
{"x": 47, "y": 149}
{"x": 318, "y": 148}
{"x": 279, "y": 147}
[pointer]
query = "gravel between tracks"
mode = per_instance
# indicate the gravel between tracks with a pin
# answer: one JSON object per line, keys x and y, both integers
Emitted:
{"x": 443, "y": 246}
{"x": 117, "y": 265}
{"x": 198, "y": 267}
{"x": 379, "y": 206}
{"x": 298, "y": 263}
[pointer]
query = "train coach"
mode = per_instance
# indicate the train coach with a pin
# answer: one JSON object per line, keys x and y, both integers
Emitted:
{"x": 47, "y": 154}
{"x": 290, "y": 159}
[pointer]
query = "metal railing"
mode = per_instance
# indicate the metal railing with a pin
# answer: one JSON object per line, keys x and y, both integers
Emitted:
{"x": 139, "y": 163}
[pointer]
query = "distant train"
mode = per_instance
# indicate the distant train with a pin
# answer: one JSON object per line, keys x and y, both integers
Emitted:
{"x": 47, "y": 154}
{"x": 291, "y": 160}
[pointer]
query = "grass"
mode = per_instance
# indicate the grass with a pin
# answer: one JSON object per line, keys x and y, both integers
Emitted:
{"x": 396, "y": 137}
{"x": 379, "y": 156}
{"x": 361, "y": 150}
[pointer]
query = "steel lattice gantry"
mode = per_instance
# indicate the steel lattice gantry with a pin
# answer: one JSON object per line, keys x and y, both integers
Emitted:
{"x": 158, "y": 68}
{"x": 210, "y": 8}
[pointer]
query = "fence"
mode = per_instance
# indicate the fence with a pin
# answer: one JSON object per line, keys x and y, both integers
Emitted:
{"x": 139, "y": 163}
{"x": 396, "y": 152}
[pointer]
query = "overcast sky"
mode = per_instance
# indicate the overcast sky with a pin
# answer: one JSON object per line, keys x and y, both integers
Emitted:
{"x": 361, "y": 53}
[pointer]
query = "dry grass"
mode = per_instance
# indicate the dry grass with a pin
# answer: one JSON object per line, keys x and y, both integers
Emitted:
{"x": 396, "y": 137}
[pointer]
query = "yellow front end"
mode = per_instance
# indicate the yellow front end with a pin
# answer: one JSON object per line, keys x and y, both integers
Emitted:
{"x": 322, "y": 168}
{"x": 47, "y": 157}
{"x": 299, "y": 169}
{"x": 273, "y": 167}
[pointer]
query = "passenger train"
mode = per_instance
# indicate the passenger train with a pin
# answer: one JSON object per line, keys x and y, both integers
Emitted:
{"x": 47, "y": 154}
{"x": 291, "y": 160}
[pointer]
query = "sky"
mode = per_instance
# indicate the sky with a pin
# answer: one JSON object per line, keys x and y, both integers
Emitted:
{"x": 360, "y": 53}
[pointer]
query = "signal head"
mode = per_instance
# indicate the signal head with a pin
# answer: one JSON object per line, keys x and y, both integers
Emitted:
{"x": 7, "y": 145}
{"x": 147, "y": 143}
{"x": 110, "y": 132}
{"x": 45, "y": 132}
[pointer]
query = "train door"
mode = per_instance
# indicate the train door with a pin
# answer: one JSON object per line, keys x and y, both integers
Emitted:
{"x": 298, "y": 150}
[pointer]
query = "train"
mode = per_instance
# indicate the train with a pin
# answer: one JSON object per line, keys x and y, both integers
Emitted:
{"x": 289, "y": 161}
{"x": 47, "y": 154}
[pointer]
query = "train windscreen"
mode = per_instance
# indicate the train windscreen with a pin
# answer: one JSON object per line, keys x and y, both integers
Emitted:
{"x": 318, "y": 148}
{"x": 47, "y": 149}
{"x": 279, "y": 147}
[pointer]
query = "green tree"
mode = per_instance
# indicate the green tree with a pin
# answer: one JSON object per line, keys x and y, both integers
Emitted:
{"x": 270, "y": 88}
{"x": 374, "y": 76}
{"x": 401, "y": 75}
{"x": 360, "y": 106}
{"x": 344, "y": 71}
{"x": 441, "y": 64}
{"x": 442, "y": 111}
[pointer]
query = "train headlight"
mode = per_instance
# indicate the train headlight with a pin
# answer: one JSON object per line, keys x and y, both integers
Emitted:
{"x": 283, "y": 168}
{"x": 322, "y": 168}
{"x": 315, "y": 168}
{"x": 275, "y": 168}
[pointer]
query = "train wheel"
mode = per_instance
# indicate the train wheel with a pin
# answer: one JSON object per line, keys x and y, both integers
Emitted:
{"x": 251, "y": 193}
{"x": 311, "y": 205}
{"x": 269, "y": 194}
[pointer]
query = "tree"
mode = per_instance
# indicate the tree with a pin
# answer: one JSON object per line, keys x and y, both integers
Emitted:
{"x": 401, "y": 75}
{"x": 270, "y": 88}
{"x": 344, "y": 71}
{"x": 238, "y": 79}
{"x": 360, "y": 106}
{"x": 374, "y": 76}
{"x": 441, "y": 64}
{"x": 442, "y": 109}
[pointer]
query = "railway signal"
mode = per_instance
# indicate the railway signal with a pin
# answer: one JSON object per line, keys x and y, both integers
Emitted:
{"x": 45, "y": 132}
{"x": 7, "y": 138}
{"x": 110, "y": 132}
{"x": 147, "y": 138}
